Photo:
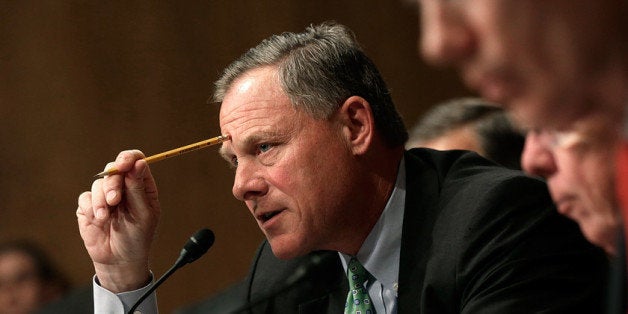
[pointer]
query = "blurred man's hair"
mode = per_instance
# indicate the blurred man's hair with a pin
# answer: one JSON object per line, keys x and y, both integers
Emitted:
{"x": 500, "y": 140}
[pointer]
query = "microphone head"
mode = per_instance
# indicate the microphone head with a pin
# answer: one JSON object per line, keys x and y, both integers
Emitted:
{"x": 197, "y": 245}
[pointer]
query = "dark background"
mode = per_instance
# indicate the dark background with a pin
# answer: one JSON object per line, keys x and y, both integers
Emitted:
{"x": 82, "y": 80}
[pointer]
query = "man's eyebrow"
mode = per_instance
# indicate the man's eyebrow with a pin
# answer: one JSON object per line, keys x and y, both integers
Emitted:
{"x": 262, "y": 136}
{"x": 226, "y": 152}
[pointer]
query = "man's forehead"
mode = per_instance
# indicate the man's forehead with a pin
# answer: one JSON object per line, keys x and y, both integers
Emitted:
{"x": 246, "y": 82}
{"x": 261, "y": 110}
{"x": 250, "y": 91}
{"x": 255, "y": 81}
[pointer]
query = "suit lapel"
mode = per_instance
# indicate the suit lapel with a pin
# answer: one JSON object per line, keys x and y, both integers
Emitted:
{"x": 334, "y": 302}
{"x": 422, "y": 196}
{"x": 322, "y": 289}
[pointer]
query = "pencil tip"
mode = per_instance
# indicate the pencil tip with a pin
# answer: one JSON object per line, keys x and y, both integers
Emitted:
{"x": 107, "y": 172}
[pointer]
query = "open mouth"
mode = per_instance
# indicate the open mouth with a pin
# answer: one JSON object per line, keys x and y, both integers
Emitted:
{"x": 268, "y": 216}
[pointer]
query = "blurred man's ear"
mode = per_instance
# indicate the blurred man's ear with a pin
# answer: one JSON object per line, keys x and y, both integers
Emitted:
{"x": 358, "y": 124}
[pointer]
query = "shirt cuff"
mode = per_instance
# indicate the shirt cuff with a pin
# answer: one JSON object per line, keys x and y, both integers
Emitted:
{"x": 106, "y": 301}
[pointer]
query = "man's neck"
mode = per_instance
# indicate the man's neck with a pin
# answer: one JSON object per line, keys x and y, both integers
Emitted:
{"x": 378, "y": 183}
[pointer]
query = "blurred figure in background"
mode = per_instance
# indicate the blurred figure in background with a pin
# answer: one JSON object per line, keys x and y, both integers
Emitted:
{"x": 471, "y": 124}
{"x": 549, "y": 62}
{"x": 28, "y": 279}
{"x": 556, "y": 65}
{"x": 579, "y": 171}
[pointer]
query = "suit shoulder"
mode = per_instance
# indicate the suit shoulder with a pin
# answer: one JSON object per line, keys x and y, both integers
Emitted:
{"x": 464, "y": 169}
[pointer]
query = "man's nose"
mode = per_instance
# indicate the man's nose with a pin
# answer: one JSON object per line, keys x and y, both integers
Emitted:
{"x": 537, "y": 159}
{"x": 445, "y": 38}
{"x": 249, "y": 182}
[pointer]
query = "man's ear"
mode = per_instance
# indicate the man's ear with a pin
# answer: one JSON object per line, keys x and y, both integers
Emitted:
{"x": 358, "y": 125}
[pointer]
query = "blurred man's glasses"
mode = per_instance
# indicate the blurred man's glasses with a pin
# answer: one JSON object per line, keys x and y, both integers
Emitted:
{"x": 552, "y": 140}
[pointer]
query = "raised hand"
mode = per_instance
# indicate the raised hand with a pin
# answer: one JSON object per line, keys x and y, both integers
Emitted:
{"x": 117, "y": 220}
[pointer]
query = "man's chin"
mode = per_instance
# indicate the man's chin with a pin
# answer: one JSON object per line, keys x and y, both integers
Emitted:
{"x": 286, "y": 249}
{"x": 605, "y": 239}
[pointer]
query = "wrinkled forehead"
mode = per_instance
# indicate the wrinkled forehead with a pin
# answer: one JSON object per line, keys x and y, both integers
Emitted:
{"x": 256, "y": 104}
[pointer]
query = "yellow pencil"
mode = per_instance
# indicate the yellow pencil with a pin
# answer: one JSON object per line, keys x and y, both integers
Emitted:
{"x": 172, "y": 153}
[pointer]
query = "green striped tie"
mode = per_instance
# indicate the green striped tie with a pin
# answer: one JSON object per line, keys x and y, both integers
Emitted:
{"x": 358, "y": 300}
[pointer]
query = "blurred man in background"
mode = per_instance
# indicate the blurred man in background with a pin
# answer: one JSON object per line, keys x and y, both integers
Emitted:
{"x": 580, "y": 174}
{"x": 549, "y": 62}
{"x": 471, "y": 124}
{"x": 559, "y": 67}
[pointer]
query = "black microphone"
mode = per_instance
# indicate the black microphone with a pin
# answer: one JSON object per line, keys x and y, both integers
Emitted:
{"x": 197, "y": 245}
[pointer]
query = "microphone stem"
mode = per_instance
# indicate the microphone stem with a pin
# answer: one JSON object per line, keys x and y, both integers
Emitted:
{"x": 196, "y": 246}
{"x": 148, "y": 292}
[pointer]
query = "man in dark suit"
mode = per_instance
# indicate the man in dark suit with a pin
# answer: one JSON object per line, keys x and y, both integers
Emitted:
{"x": 318, "y": 152}
{"x": 493, "y": 255}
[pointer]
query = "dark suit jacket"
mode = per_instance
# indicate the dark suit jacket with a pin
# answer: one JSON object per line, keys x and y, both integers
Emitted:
{"x": 616, "y": 298}
{"x": 476, "y": 238}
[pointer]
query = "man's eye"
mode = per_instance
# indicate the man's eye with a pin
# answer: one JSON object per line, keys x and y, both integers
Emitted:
{"x": 264, "y": 147}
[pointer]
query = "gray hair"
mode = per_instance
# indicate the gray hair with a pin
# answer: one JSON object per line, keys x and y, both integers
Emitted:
{"x": 318, "y": 70}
